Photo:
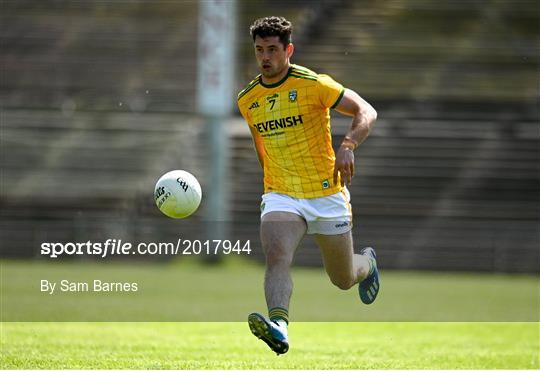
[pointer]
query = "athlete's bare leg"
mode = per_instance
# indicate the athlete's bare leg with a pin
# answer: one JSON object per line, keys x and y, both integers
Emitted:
{"x": 281, "y": 232}
{"x": 343, "y": 266}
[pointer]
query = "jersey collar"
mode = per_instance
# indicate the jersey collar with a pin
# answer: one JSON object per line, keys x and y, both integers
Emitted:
{"x": 275, "y": 85}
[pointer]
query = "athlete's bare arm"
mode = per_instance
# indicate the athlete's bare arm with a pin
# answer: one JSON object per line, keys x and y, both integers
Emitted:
{"x": 364, "y": 115}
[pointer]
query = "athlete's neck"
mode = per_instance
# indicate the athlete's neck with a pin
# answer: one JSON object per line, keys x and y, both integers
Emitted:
{"x": 278, "y": 77}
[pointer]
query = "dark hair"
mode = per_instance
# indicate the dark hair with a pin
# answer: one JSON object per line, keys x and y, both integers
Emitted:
{"x": 272, "y": 26}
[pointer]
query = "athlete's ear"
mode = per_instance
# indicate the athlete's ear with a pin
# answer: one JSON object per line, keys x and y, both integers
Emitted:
{"x": 289, "y": 50}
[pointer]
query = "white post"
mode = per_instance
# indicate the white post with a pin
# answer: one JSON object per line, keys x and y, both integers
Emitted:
{"x": 215, "y": 98}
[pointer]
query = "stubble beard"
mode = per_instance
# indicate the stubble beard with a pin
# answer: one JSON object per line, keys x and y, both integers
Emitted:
{"x": 271, "y": 72}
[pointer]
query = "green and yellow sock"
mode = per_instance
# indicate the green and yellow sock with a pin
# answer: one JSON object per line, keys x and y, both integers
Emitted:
{"x": 279, "y": 314}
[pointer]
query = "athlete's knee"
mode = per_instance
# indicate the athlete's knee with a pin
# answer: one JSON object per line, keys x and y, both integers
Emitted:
{"x": 343, "y": 282}
{"x": 278, "y": 255}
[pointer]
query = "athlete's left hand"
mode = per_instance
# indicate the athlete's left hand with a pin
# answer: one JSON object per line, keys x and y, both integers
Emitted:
{"x": 344, "y": 165}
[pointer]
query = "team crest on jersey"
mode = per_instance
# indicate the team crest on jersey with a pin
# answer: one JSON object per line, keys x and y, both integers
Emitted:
{"x": 292, "y": 96}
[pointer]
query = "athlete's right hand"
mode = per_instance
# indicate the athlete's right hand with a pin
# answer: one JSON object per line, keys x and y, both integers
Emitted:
{"x": 344, "y": 165}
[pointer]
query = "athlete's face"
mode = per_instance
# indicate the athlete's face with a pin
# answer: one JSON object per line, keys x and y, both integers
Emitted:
{"x": 272, "y": 57}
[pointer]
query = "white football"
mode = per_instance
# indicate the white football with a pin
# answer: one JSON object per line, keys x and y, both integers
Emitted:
{"x": 177, "y": 194}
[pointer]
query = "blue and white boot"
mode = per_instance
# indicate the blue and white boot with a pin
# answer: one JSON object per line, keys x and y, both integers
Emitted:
{"x": 272, "y": 333}
{"x": 369, "y": 287}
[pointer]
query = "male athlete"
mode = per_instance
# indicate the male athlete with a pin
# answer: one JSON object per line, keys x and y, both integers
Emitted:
{"x": 287, "y": 109}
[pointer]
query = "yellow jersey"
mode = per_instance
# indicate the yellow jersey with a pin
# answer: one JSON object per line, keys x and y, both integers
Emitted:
{"x": 291, "y": 118}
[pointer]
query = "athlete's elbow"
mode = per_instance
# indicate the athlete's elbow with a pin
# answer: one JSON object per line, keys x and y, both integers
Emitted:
{"x": 370, "y": 114}
{"x": 373, "y": 115}
{"x": 366, "y": 117}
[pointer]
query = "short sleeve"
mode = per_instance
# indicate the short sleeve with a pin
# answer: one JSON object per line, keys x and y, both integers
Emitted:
{"x": 330, "y": 91}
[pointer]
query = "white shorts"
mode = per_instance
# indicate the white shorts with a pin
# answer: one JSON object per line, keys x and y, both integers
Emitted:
{"x": 327, "y": 215}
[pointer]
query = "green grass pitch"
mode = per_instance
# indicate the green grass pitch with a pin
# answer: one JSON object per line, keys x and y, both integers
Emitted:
{"x": 231, "y": 346}
{"x": 330, "y": 328}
